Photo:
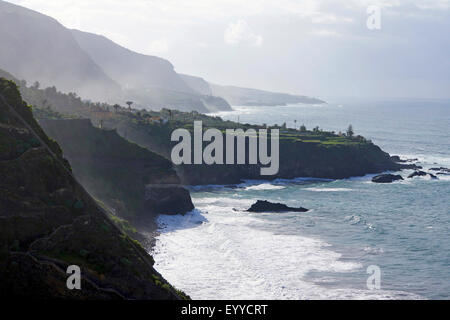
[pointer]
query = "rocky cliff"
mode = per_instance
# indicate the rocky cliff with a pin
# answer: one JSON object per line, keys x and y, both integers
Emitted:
{"x": 119, "y": 173}
{"x": 48, "y": 222}
{"x": 299, "y": 159}
{"x": 302, "y": 154}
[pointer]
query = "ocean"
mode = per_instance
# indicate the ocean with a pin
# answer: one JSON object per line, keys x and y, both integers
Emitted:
{"x": 220, "y": 251}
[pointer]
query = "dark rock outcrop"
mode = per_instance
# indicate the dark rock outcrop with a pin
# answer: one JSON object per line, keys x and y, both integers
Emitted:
{"x": 417, "y": 174}
{"x": 421, "y": 174}
{"x": 442, "y": 169}
{"x": 410, "y": 166}
{"x": 266, "y": 206}
{"x": 397, "y": 159}
{"x": 167, "y": 200}
{"x": 386, "y": 178}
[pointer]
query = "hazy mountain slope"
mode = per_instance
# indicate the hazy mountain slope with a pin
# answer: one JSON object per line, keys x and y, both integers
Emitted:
{"x": 132, "y": 70}
{"x": 247, "y": 96}
{"x": 198, "y": 84}
{"x": 35, "y": 47}
{"x": 49, "y": 222}
{"x": 244, "y": 96}
{"x": 148, "y": 80}
{"x": 50, "y": 98}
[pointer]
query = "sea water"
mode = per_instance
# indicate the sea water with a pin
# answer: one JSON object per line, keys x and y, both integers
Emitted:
{"x": 220, "y": 251}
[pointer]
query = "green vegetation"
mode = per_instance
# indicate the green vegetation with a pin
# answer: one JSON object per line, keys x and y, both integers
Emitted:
{"x": 350, "y": 131}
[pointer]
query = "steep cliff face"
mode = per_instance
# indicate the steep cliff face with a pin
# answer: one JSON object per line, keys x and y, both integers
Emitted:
{"x": 121, "y": 174}
{"x": 302, "y": 154}
{"x": 48, "y": 222}
{"x": 299, "y": 159}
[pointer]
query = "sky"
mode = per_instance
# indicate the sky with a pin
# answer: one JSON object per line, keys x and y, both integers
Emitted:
{"x": 322, "y": 48}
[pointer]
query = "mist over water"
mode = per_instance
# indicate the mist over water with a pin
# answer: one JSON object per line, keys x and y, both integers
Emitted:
{"x": 219, "y": 251}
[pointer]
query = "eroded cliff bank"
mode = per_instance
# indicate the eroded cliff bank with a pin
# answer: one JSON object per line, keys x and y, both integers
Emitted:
{"x": 48, "y": 222}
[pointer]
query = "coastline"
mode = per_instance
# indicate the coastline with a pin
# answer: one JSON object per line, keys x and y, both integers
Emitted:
{"x": 227, "y": 224}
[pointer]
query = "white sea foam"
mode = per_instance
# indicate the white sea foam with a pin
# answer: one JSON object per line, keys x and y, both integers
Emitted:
{"x": 279, "y": 183}
{"x": 218, "y": 253}
{"x": 373, "y": 250}
{"x": 265, "y": 186}
{"x": 427, "y": 159}
{"x": 329, "y": 189}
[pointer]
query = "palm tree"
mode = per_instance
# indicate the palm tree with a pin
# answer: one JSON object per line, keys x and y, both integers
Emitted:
{"x": 350, "y": 131}
{"x": 129, "y": 103}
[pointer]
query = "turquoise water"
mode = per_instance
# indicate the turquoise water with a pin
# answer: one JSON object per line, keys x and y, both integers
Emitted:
{"x": 404, "y": 227}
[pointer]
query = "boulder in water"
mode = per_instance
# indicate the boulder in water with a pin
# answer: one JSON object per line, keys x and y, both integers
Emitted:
{"x": 266, "y": 206}
{"x": 432, "y": 176}
{"x": 421, "y": 174}
{"x": 442, "y": 169}
{"x": 417, "y": 174}
{"x": 386, "y": 178}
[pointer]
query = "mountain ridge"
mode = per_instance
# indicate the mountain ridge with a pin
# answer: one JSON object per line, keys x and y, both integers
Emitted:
{"x": 36, "y": 47}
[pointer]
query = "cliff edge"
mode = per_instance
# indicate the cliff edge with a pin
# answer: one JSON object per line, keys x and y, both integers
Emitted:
{"x": 49, "y": 222}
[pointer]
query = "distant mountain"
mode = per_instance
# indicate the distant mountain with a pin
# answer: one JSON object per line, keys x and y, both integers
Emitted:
{"x": 248, "y": 97}
{"x": 245, "y": 96}
{"x": 35, "y": 47}
{"x": 150, "y": 80}
{"x": 131, "y": 69}
{"x": 198, "y": 84}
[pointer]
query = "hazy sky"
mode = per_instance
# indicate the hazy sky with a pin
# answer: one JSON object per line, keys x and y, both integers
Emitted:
{"x": 313, "y": 47}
